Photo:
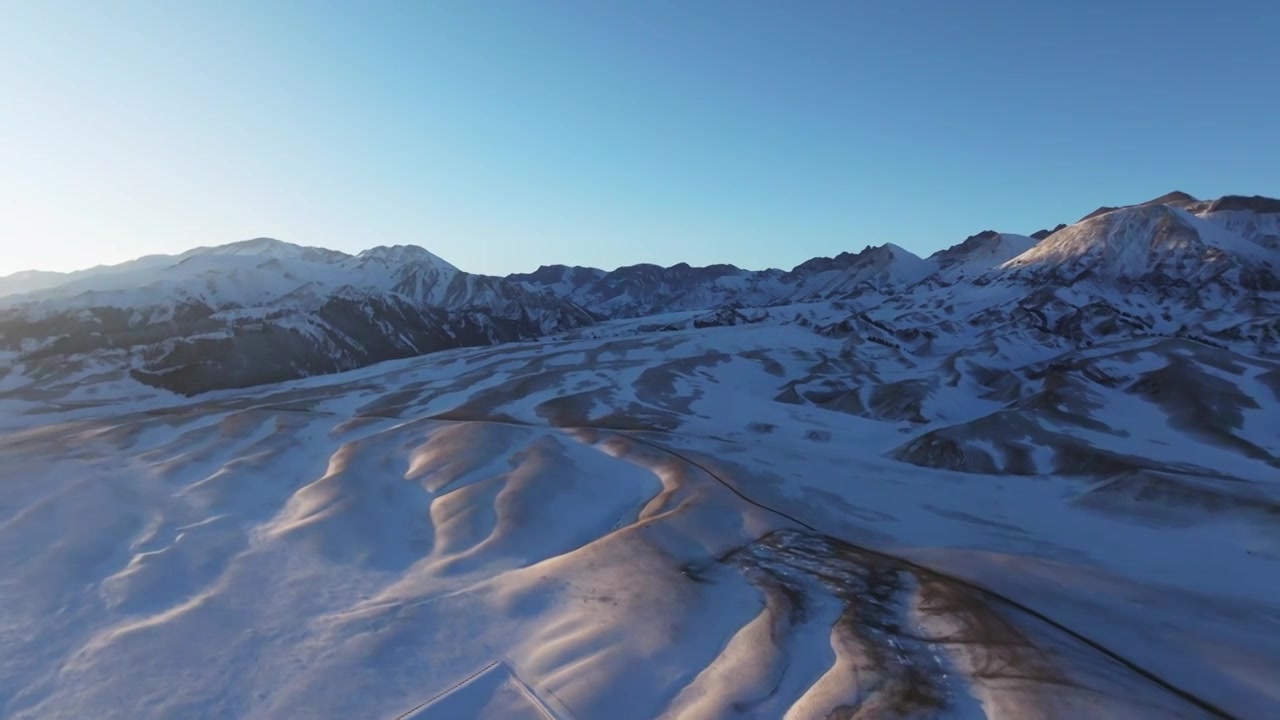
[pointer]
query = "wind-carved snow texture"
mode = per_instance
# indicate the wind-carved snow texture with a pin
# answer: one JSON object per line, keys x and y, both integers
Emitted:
{"x": 1016, "y": 479}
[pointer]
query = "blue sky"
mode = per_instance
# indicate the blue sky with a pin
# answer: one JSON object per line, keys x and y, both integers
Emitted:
{"x": 506, "y": 135}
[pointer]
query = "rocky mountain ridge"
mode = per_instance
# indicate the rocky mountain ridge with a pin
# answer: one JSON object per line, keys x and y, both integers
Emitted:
{"x": 263, "y": 310}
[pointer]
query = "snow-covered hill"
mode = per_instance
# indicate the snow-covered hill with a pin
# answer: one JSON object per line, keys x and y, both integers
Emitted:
{"x": 1022, "y": 477}
{"x": 978, "y": 254}
{"x": 763, "y": 519}
{"x": 1155, "y": 244}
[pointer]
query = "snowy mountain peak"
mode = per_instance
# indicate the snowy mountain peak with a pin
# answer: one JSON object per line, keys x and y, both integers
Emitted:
{"x": 26, "y": 281}
{"x": 1254, "y": 204}
{"x": 870, "y": 255}
{"x": 881, "y": 253}
{"x": 985, "y": 240}
{"x": 1255, "y": 218}
{"x": 1044, "y": 233}
{"x": 979, "y": 253}
{"x": 1154, "y": 242}
{"x": 1125, "y": 236}
{"x": 888, "y": 253}
{"x": 1177, "y": 198}
{"x": 873, "y": 269}
{"x": 254, "y": 246}
{"x": 267, "y": 248}
{"x": 564, "y": 277}
{"x": 403, "y": 255}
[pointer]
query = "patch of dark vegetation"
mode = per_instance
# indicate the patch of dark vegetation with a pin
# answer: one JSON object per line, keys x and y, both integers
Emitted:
{"x": 1202, "y": 340}
{"x": 884, "y": 342}
{"x": 727, "y": 316}
{"x": 868, "y": 319}
{"x": 839, "y": 329}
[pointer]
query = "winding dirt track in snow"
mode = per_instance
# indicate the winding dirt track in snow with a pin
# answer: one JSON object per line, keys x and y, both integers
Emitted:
{"x": 880, "y": 622}
{"x": 908, "y": 564}
{"x": 961, "y": 582}
{"x": 635, "y": 435}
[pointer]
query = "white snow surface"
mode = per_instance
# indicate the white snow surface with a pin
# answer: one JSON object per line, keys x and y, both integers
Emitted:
{"x": 985, "y": 254}
{"x": 1011, "y": 480}
{"x": 625, "y": 526}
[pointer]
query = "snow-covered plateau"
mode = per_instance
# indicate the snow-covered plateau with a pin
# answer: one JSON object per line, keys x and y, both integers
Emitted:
{"x": 1030, "y": 476}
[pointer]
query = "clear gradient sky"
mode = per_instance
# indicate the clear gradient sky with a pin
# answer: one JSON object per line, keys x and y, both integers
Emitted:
{"x": 505, "y": 135}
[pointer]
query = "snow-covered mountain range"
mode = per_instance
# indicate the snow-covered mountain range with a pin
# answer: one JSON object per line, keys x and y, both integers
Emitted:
{"x": 264, "y": 310}
{"x": 1026, "y": 476}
